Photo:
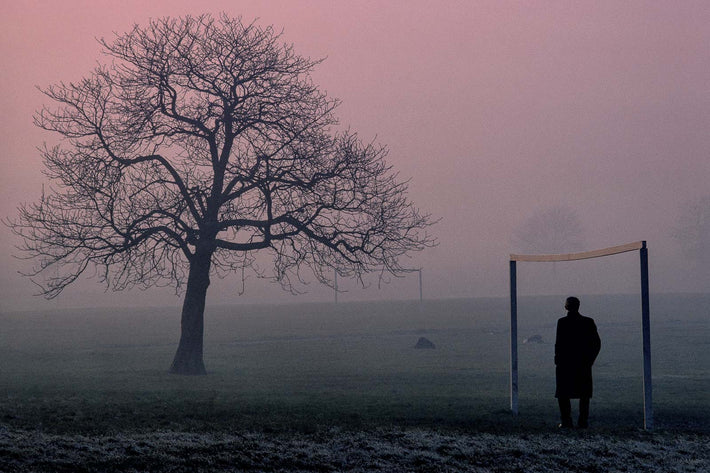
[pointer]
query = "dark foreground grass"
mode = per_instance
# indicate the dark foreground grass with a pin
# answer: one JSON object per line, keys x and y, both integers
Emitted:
{"x": 389, "y": 450}
{"x": 114, "y": 413}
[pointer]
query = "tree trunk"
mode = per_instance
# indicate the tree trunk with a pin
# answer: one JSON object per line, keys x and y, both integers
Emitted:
{"x": 188, "y": 358}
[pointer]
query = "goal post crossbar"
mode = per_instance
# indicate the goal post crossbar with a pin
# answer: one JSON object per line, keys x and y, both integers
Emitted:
{"x": 639, "y": 246}
{"x": 614, "y": 250}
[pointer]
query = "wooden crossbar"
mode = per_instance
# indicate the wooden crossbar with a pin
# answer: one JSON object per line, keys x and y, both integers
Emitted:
{"x": 637, "y": 245}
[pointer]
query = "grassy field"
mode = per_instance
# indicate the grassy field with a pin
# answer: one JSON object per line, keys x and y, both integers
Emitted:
{"x": 289, "y": 372}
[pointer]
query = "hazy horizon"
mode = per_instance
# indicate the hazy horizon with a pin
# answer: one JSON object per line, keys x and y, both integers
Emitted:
{"x": 496, "y": 111}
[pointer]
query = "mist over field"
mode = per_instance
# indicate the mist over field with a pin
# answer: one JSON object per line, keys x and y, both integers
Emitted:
{"x": 500, "y": 113}
{"x": 341, "y": 387}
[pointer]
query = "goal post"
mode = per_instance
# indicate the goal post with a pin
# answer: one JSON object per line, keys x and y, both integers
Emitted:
{"x": 404, "y": 270}
{"x": 639, "y": 246}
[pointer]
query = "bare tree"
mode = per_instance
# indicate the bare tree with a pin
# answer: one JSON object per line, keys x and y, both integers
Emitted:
{"x": 553, "y": 230}
{"x": 692, "y": 230}
{"x": 202, "y": 142}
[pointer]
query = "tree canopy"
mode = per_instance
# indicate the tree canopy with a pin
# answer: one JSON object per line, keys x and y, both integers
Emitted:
{"x": 200, "y": 142}
{"x": 553, "y": 230}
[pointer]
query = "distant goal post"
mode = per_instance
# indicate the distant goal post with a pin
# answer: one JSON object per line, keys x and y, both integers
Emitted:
{"x": 336, "y": 290}
{"x": 639, "y": 246}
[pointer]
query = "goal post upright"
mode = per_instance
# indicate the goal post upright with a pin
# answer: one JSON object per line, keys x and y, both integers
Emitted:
{"x": 639, "y": 246}
{"x": 513, "y": 339}
{"x": 646, "y": 327}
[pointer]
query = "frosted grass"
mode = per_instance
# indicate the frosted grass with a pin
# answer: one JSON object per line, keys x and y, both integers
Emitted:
{"x": 356, "y": 451}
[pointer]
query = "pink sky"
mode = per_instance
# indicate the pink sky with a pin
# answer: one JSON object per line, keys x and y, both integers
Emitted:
{"x": 495, "y": 110}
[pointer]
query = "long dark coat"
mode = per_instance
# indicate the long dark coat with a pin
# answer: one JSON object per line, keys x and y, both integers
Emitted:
{"x": 576, "y": 347}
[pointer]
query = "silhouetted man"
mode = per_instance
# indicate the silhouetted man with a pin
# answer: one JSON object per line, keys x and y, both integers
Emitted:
{"x": 576, "y": 347}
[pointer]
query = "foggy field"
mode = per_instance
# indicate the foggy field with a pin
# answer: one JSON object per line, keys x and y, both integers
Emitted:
{"x": 326, "y": 387}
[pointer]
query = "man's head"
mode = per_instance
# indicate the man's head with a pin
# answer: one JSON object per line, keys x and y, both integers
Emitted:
{"x": 572, "y": 304}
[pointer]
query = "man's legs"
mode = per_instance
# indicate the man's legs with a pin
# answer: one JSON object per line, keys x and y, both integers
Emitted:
{"x": 583, "y": 421}
{"x": 565, "y": 411}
